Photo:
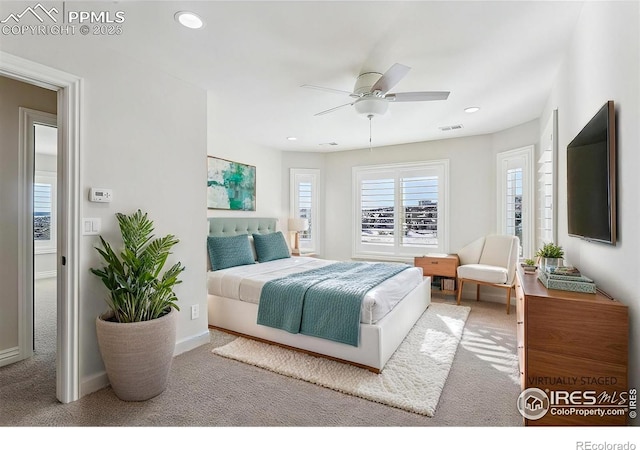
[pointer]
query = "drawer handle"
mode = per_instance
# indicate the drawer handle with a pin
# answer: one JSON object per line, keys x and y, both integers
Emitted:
{"x": 434, "y": 262}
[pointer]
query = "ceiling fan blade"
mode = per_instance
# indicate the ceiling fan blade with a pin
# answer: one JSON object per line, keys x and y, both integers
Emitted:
{"x": 332, "y": 109}
{"x": 390, "y": 78}
{"x": 334, "y": 91}
{"x": 417, "y": 96}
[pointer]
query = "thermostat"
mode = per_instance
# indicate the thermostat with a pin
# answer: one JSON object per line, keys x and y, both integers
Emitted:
{"x": 100, "y": 195}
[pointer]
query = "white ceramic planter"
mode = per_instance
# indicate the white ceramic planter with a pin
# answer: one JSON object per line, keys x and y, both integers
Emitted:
{"x": 547, "y": 263}
{"x": 137, "y": 356}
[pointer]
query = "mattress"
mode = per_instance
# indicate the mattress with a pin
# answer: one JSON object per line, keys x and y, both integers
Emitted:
{"x": 245, "y": 283}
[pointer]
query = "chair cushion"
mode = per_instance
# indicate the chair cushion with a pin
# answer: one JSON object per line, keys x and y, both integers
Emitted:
{"x": 497, "y": 250}
{"x": 470, "y": 253}
{"x": 483, "y": 272}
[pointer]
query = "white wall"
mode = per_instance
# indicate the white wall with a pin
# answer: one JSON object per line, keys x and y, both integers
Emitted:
{"x": 267, "y": 162}
{"x": 603, "y": 64}
{"x": 143, "y": 134}
{"x": 472, "y": 198}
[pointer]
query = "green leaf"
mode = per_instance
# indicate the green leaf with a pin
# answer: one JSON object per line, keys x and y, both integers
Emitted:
{"x": 138, "y": 289}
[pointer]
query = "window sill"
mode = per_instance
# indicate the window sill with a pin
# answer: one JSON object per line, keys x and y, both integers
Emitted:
{"x": 384, "y": 258}
{"x": 45, "y": 251}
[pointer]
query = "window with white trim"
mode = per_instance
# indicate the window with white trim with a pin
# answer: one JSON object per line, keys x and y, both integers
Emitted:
{"x": 515, "y": 197}
{"x": 547, "y": 183}
{"x": 304, "y": 204}
{"x": 400, "y": 210}
{"x": 44, "y": 212}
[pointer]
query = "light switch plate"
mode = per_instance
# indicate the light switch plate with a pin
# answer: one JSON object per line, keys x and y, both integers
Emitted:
{"x": 91, "y": 226}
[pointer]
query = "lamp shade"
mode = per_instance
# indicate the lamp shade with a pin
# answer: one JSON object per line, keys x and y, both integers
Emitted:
{"x": 298, "y": 224}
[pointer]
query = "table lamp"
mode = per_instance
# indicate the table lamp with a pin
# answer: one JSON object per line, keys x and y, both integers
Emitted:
{"x": 297, "y": 225}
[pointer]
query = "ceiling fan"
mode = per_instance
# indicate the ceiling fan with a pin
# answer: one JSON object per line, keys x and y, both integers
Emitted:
{"x": 372, "y": 96}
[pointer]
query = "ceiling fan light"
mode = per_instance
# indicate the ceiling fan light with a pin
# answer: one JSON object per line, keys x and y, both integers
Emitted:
{"x": 371, "y": 106}
{"x": 472, "y": 109}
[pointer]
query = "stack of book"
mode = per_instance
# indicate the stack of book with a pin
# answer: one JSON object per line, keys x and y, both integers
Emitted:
{"x": 448, "y": 284}
{"x": 566, "y": 279}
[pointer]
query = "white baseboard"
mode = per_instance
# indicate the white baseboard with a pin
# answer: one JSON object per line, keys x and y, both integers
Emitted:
{"x": 9, "y": 356}
{"x": 94, "y": 383}
{"x": 191, "y": 342}
{"x": 46, "y": 274}
{"x": 487, "y": 293}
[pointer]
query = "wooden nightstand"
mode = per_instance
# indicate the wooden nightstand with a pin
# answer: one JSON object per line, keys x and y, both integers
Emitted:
{"x": 440, "y": 265}
{"x": 309, "y": 255}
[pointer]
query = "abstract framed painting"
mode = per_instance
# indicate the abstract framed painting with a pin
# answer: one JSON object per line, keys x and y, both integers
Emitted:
{"x": 230, "y": 185}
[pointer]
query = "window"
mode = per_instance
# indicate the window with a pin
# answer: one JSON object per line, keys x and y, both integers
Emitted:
{"x": 304, "y": 204}
{"x": 400, "y": 210}
{"x": 44, "y": 210}
{"x": 515, "y": 197}
{"x": 513, "y": 223}
{"x": 547, "y": 184}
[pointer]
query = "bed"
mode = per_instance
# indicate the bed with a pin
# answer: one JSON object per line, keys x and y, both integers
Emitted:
{"x": 387, "y": 312}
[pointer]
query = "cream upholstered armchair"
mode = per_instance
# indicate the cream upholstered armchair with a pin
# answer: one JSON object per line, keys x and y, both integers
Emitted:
{"x": 490, "y": 261}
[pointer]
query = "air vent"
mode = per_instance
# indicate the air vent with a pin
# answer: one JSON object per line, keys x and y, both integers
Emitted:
{"x": 451, "y": 127}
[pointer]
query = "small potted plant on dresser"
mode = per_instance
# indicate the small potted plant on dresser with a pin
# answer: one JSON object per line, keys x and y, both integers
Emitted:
{"x": 529, "y": 265}
{"x": 137, "y": 335}
{"x": 551, "y": 256}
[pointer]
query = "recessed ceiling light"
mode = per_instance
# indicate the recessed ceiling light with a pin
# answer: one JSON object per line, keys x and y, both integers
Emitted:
{"x": 189, "y": 19}
{"x": 292, "y": 138}
{"x": 472, "y": 109}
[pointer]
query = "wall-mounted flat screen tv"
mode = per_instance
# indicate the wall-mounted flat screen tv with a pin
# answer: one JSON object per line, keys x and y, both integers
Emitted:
{"x": 591, "y": 179}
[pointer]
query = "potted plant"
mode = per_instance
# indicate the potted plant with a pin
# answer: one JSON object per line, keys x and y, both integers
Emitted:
{"x": 529, "y": 265}
{"x": 137, "y": 335}
{"x": 550, "y": 255}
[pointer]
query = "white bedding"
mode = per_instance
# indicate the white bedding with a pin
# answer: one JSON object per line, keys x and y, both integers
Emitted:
{"x": 245, "y": 283}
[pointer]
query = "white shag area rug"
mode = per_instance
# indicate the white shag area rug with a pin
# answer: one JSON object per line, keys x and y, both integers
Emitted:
{"x": 412, "y": 379}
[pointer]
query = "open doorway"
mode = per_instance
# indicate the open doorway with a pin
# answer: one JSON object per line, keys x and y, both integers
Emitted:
{"x": 67, "y": 91}
{"x": 45, "y": 149}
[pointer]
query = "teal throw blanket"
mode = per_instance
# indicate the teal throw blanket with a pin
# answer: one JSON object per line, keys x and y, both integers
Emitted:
{"x": 323, "y": 302}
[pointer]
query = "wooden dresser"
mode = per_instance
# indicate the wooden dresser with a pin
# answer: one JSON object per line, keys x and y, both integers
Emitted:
{"x": 569, "y": 341}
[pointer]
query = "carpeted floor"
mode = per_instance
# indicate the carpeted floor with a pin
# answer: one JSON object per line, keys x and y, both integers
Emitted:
{"x": 207, "y": 390}
{"x": 412, "y": 379}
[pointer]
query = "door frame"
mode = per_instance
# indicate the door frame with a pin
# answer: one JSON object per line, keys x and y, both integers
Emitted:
{"x": 503, "y": 159}
{"x": 69, "y": 89}
{"x": 26, "y": 170}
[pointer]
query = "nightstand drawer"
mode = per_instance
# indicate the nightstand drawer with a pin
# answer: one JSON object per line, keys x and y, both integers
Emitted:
{"x": 444, "y": 266}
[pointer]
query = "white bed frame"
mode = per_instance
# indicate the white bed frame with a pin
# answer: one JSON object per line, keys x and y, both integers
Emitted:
{"x": 377, "y": 342}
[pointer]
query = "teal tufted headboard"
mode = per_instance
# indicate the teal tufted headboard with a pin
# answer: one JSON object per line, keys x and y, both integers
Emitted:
{"x": 233, "y": 226}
